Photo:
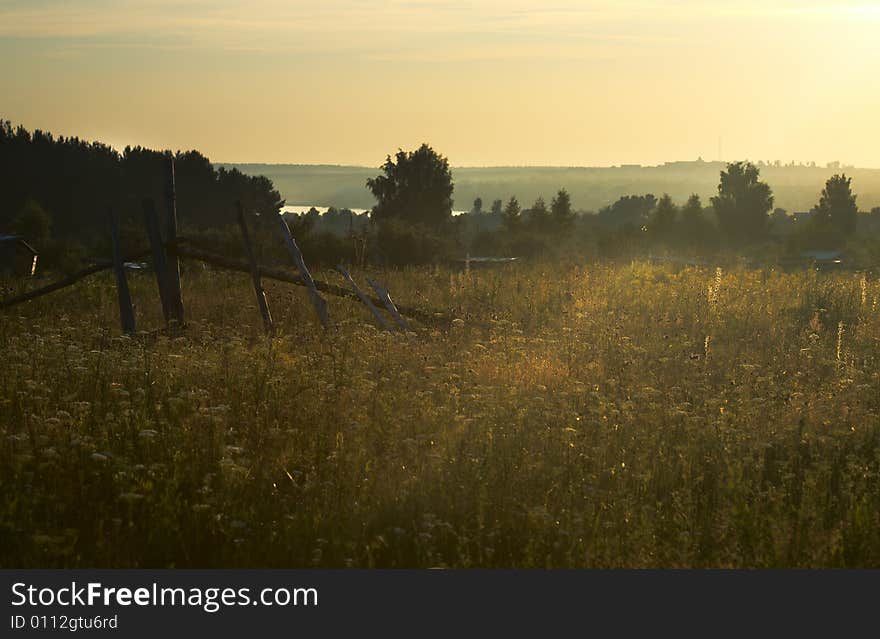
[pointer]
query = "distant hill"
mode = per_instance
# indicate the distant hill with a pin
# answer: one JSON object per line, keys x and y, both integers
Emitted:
{"x": 796, "y": 188}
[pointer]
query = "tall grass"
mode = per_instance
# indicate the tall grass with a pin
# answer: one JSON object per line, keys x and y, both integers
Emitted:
{"x": 586, "y": 416}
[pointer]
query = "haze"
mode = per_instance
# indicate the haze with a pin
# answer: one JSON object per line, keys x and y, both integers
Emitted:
{"x": 486, "y": 83}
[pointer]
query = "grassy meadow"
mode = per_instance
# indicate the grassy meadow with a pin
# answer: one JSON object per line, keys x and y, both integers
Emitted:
{"x": 572, "y": 416}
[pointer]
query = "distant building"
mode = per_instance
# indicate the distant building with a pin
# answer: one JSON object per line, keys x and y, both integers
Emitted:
{"x": 17, "y": 256}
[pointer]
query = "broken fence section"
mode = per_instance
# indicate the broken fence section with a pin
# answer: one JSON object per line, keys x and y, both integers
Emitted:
{"x": 255, "y": 272}
{"x": 183, "y": 250}
{"x": 166, "y": 254}
{"x": 366, "y": 300}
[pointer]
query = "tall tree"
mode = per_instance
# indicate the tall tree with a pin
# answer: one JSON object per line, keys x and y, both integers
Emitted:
{"x": 837, "y": 206}
{"x": 497, "y": 207}
{"x": 477, "y": 208}
{"x": 629, "y": 210}
{"x": 695, "y": 230}
{"x": 539, "y": 216}
{"x": 560, "y": 210}
{"x": 511, "y": 217}
{"x": 416, "y": 187}
{"x": 692, "y": 212}
{"x": 743, "y": 202}
{"x": 662, "y": 223}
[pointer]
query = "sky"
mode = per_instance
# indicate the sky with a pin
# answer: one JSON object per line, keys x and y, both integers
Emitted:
{"x": 486, "y": 83}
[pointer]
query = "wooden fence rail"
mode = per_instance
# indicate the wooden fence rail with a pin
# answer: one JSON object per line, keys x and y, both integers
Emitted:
{"x": 430, "y": 318}
{"x": 363, "y": 297}
{"x": 295, "y": 254}
{"x": 256, "y": 279}
{"x": 389, "y": 305}
{"x": 70, "y": 280}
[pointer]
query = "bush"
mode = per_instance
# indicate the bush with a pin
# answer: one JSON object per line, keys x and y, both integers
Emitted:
{"x": 327, "y": 249}
{"x": 32, "y": 222}
{"x": 529, "y": 245}
{"x": 399, "y": 244}
{"x": 64, "y": 255}
{"x": 489, "y": 244}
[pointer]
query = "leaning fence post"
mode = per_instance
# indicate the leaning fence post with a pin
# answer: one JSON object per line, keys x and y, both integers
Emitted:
{"x": 255, "y": 272}
{"x": 151, "y": 220}
{"x": 293, "y": 249}
{"x": 386, "y": 300}
{"x": 366, "y": 300}
{"x": 126, "y": 312}
{"x": 175, "y": 302}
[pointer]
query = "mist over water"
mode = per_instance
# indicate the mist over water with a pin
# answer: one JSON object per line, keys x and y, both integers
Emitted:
{"x": 302, "y": 209}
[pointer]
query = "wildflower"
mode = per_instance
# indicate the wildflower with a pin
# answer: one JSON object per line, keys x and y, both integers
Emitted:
{"x": 863, "y": 284}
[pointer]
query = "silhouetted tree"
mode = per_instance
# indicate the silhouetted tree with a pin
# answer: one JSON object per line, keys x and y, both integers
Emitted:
{"x": 416, "y": 187}
{"x": 477, "y": 208}
{"x": 662, "y": 223}
{"x": 694, "y": 229}
{"x": 629, "y": 210}
{"x": 32, "y": 222}
{"x": 837, "y": 206}
{"x": 779, "y": 220}
{"x": 74, "y": 181}
{"x": 692, "y": 212}
{"x": 511, "y": 216}
{"x": 538, "y": 215}
{"x": 743, "y": 202}
{"x": 497, "y": 207}
{"x": 560, "y": 211}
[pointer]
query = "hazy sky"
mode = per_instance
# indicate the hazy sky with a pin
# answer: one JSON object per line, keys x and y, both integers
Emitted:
{"x": 485, "y": 82}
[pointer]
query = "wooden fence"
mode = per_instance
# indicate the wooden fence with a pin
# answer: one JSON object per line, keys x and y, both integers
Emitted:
{"x": 167, "y": 252}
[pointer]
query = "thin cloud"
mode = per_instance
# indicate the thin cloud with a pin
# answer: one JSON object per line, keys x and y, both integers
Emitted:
{"x": 451, "y": 30}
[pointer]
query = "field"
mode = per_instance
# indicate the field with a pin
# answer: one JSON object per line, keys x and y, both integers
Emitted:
{"x": 573, "y": 416}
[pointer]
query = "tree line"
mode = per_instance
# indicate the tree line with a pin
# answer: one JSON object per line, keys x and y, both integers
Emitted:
{"x": 56, "y": 191}
{"x": 414, "y": 218}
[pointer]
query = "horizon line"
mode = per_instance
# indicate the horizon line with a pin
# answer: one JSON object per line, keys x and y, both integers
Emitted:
{"x": 842, "y": 167}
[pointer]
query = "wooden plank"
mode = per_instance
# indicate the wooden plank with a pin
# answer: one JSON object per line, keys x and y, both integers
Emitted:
{"x": 255, "y": 272}
{"x": 317, "y": 301}
{"x": 172, "y": 286}
{"x": 366, "y": 300}
{"x": 126, "y": 312}
{"x": 431, "y": 318}
{"x": 70, "y": 280}
{"x": 151, "y": 221}
{"x": 386, "y": 300}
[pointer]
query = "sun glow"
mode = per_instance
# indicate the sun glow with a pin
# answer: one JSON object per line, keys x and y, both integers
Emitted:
{"x": 575, "y": 83}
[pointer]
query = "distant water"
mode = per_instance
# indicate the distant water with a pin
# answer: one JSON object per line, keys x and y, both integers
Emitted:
{"x": 304, "y": 208}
